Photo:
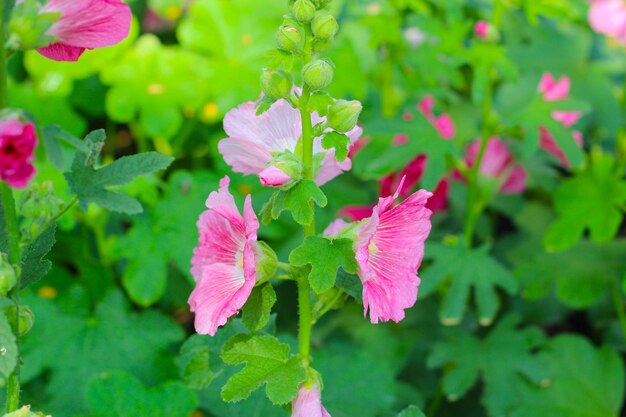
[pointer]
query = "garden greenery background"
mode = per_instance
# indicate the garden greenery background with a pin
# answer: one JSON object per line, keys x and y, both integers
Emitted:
{"x": 529, "y": 322}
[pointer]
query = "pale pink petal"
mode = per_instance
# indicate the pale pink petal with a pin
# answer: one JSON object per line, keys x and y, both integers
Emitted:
{"x": 336, "y": 227}
{"x": 567, "y": 118}
{"x": 331, "y": 168}
{"x": 274, "y": 177}
{"x": 608, "y": 17}
{"x": 243, "y": 155}
{"x": 554, "y": 90}
{"x": 251, "y": 222}
{"x": 308, "y": 403}
{"x": 546, "y": 83}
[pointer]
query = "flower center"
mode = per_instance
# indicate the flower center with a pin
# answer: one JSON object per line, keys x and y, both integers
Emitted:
{"x": 372, "y": 249}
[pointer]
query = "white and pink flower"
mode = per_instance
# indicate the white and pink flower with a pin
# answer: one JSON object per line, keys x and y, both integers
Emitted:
{"x": 308, "y": 403}
{"x": 85, "y": 24}
{"x": 224, "y": 262}
{"x": 254, "y": 139}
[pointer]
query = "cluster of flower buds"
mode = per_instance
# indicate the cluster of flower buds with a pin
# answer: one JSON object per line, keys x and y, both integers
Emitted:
{"x": 39, "y": 204}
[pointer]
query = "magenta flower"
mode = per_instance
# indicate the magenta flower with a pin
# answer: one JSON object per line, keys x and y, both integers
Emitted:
{"x": 308, "y": 403}
{"x": 498, "y": 164}
{"x": 443, "y": 124}
{"x": 481, "y": 29}
{"x": 608, "y": 17}
{"x": 253, "y": 140}
{"x": 224, "y": 263}
{"x": 389, "y": 250}
{"x": 553, "y": 90}
{"x": 85, "y": 24}
{"x": 18, "y": 141}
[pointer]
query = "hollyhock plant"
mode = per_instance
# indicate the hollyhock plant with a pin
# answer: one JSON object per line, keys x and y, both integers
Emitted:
{"x": 497, "y": 164}
{"x": 253, "y": 141}
{"x": 553, "y": 90}
{"x": 308, "y": 403}
{"x": 608, "y": 17}
{"x": 224, "y": 263}
{"x": 18, "y": 141}
{"x": 85, "y": 24}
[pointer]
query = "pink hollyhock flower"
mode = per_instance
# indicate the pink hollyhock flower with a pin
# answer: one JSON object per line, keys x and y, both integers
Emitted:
{"x": 18, "y": 141}
{"x": 481, "y": 28}
{"x": 308, "y": 403}
{"x": 443, "y": 124}
{"x": 609, "y": 18}
{"x": 85, "y": 24}
{"x": 554, "y": 90}
{"x": 224, "y": 263}
{"x": 497, "y": 163}
{"x": 389, "y": 250}
{"x": 253, "y": 139}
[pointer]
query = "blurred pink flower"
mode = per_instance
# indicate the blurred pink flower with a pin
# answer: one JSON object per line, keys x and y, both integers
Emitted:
{"x": 85, "y": 24}
{"x": 389, "y": 250}
{"x": 498, "y": 164}
{"x": 253, "y": 139}
{"x": 553, "y": 90}
{"x": 273, "y": 177}
{"x": 480, "y": 29}
{"x": 18, "y": 141}
{"x": 224, "y": 262}
{"x": 609, "y": 18}
{"x": 308, "y": 403}
{"x": 443, "y": 124}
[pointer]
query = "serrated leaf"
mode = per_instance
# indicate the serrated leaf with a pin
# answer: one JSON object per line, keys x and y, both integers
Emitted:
{"x": 256, "y": 312}
{"x": 411, "y": 411}
{"x": 465, "y": 269}
{"x": 118, "y": 394}
{"x": 325, "y": 256}
{"x": 502, "y": 358}
{"x": 52, "y": 137}
{"x": 594, "y": 200}
{"x": 338, "y": 141}
{"x": 319, "y": 102}
{"x": 8, "y": 348}
{"x": 584, "y": 382}
{"x": 299, "y": 200}
{"x": 34, "y": 267}
{"x": 267, "y": 363}
{"x": 91, "y": 185}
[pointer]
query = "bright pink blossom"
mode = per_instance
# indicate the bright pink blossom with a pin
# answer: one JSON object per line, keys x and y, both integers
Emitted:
{"x": 308, "y": 403}
{"x": 498, "y": 164}
{"x": 254, "y": 139}
{"x": 18, "y": 141}
{"x": 481, "y": 29}
{"x": 609, "y": 18}
{"x": 443, "y": 124}
{"x": 554, "y": 90}
{"x": 224, "y": 263}
{"x": 85, "y": 24}
{"x": 389, "y": 250}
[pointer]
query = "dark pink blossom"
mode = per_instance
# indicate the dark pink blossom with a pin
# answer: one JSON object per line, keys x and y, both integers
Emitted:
{"x": 18, "y": 141}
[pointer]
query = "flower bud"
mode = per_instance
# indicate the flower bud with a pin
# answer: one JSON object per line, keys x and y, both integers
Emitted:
{"x": 266, "y": 261}
{"x": 324, "y": 26}
{"x": 276, "y": 84}
{"x": 343, "y": 115}
{"x": 274, "y": 177}
{"x": 317, "y": 74}
{"x": 303, "y": 10}
{"x": 8, "y": 275}
{"x": 26, "y": 318}
{"x": 288, "y": 38}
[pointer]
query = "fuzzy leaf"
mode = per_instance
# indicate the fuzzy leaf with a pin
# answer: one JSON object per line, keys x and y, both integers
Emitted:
{"x": 267, "y": 363}
{"x": 8, "y": 348}
{"x": 298, "y": 200}
{"x": 256, "y": 312}
{"x": 194, "y": 362}
{"x": 34, "y": 267}
{"x": 340, "y": 142}
{"x": 465, "y": 269}
{"x": 325, "y": 256}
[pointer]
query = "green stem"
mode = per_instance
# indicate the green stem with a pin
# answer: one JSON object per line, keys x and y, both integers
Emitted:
{"x": 3, "y": 60}
{"x": 57, "y": 216}
{"x": 620, "y": 307}
{"x": 328, "y": 306}
{"x": 8, "y": 204}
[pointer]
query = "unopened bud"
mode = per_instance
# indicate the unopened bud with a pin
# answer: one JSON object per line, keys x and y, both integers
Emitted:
{"x": 343, "y": 115}
{"x": 288, "y": 38}
{"x": 266, "y": 261}
{"x": 317, "y": 74}
{"x": 324, "y": 26}
{"x": 276, "y": 84}
{"x": 26, "y": 318}
{"x": 303, "y": 10}
{"x": 8, "y": 275}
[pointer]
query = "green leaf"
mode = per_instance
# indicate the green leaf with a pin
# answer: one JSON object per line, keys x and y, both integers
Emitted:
{"x": 351, "y": 284}
{"x": 325, "y": 256}
{"x": 194, "y": 362}
{"x": 72, "y": 346}
{"x": 594, "y": 200}
{"x": 4, "y": 232}
{"x": 584, "y": 382}
{"x": 411, "y": 411}
{"x": 257, "y": 310}
{"x": 53, "y": 137}
{"x": 340, "y": 142}
{"x": 91, "y": 185}
{"x": 267, "y": 363}
{"x": 298, "y": 200}
{"x": 8, "y": 348}
{"x": 118, "y": 394}
{"x": 34, "y": 267}
{"x": 502, "y": 358}
{"x": 461, "y": 269}
{"x": 319, "y": 102}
